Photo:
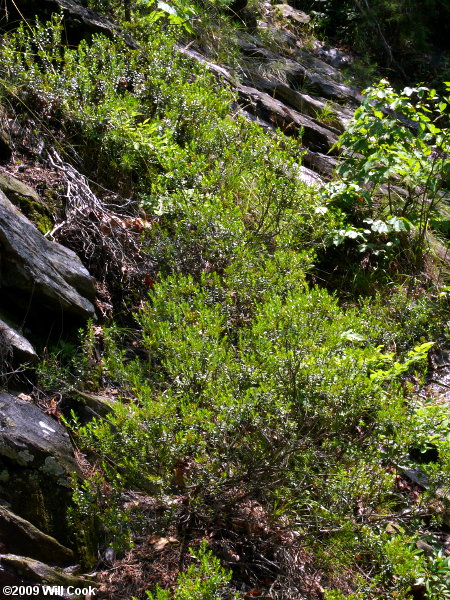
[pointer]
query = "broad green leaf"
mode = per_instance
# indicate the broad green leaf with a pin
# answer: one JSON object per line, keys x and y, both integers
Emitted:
{"x": 352, "y": 336}
{"x": 167, "y": 8}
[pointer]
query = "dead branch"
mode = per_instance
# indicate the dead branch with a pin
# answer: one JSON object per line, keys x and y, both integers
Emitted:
{"x": 107, "y": 234}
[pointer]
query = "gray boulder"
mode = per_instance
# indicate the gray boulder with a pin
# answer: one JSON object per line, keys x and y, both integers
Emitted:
{"x": 316, "y": 108}
{"x": 36, "y": 465}
{"x": 330, "y": 89}
{"x": 16, "y": 190}
{"x": 320, "y": 163}
{"x": 310, "y": 177}
{"x": 19, "y": 536}
{"x": 335, "y": 57}
{"x": 91, "y": 406}
{"x": 46, "y": 272}
{"x": 13, "y": 345}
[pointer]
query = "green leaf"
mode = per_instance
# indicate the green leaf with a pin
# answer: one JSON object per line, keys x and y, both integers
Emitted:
{"x": 167, "y": 8}
{"x": 352, "y": 336}
{"x": 380, "y": 227}
{"x": 352, "y": 234}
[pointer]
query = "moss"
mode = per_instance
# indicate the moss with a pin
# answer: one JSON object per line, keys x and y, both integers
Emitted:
{"x": 37, "y": 212}
{"x": 28, "y": 201}
{"x": 86, "y": 542}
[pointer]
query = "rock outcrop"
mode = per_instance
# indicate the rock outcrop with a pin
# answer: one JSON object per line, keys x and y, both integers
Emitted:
{"x": 27, "y": 200}
{"x": 315, "y": 136}
{"x": 306, "y": 71}
{"x": 309, "y": 100}
{"x": 41, "y": 271}
{"x": 14, "y": 347}
{"x": 36, "y": 465}
{"x": 19, "y": 536}
{"x": 292, "y": 14}
{"x": 311, "y": 106}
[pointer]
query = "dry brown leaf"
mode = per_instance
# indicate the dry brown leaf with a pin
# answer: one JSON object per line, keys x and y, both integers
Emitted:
{"x": 159, "y": 543}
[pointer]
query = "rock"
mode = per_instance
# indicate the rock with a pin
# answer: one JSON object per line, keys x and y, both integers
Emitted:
{"x": 18, "y": 536}
{"x": 44, "y": 272}
{"x": 36, "y": 465}
{"x": 320, "y": 163}
{"x": 270, "y": 110}
{"x": 336, "y": 58}
{"x": 19, "y": 570}
{"x": 331, "y": 89}
{"x": 425, "y": 547}
{"x": 260, "y": 106}
{"x": 15, "y": 189}
{"x": 218, "y": 70}
{"x": 315, "y": 64}
{"x": 304, "y": 103}
{"x": 28, "y": 200}
{"x": 309, "y": 177}
{"x": 270, "y": 113}
{"x": 292, "y": 14}
{"x": 16, "y": 346}
{"x": 79, "y": 21}
{"x": 440, "y": 359}
{"x": 317, "y": 108}
{"x": 268, "y": 127}
{"x": 298, "y": 70}
{"x": 279, "y": 37}
{"x": 316, "y": 137}
{"x": 88, "y": 406}
{"x": 308, "y": 72}
{"x": 442, "y": 495}
{"x": 416, "y": 476}
{"x": 254, "y": 49}
{"x": 27, "y": 435}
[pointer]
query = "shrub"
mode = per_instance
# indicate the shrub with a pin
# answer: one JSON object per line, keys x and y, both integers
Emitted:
{"x": 290, "y": 393}
{"x": 394, "y": 168}
{"x": 206, "y": 579}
